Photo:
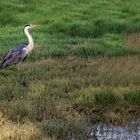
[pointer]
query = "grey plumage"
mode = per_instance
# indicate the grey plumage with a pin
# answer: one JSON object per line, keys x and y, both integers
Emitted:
{"x": 14, "y": 56}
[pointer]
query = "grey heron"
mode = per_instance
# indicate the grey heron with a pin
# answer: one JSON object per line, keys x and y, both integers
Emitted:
{"x": 19, "y": 53}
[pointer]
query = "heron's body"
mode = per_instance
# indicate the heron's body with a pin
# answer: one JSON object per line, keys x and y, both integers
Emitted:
{"x": 14, "y": 56}
{"x": 19, "y": 53}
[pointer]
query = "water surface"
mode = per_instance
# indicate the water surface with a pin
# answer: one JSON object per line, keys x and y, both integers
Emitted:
{"x": 111, "y": 132}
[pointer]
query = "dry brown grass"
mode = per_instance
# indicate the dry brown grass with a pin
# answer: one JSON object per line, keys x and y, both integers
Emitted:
{"x": 123, "y": 71}
{"x": 43, "y": 62}
{"x": 119, "y": 69}
{"x": 133, "y": 40}
{"x": 13, "y": 131}
{"x": 69, "y": 114}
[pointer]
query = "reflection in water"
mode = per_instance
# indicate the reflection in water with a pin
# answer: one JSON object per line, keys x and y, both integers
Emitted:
{"x": 111, "y": 132}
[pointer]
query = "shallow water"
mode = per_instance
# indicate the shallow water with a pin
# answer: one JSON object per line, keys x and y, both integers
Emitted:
{"x": 111, "y": 132}
{"x": 103, "y": 131}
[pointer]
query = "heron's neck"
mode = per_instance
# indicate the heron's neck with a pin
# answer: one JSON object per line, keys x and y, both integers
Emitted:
{"x": 30, "y": 39}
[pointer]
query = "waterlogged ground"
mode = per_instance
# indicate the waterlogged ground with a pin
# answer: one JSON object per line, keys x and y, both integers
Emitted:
{"x": 102, "y": 131}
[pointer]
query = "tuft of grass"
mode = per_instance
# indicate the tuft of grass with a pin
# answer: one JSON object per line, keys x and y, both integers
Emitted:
{"x": 106, "y": 98}
{"x": 10, "y": 130}
{"x": 132, "y": 98}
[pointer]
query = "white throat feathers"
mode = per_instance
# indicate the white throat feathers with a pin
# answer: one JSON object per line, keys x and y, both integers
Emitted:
{"x": 30, "y": 39}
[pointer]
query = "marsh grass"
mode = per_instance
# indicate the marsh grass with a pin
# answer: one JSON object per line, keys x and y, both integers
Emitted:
{"x": 73, "y": 91}
{"x": 10, "y": 130}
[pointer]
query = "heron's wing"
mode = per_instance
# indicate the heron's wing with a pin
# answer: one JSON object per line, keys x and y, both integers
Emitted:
{"x": 16, "y": 49}
{"x": 15, "y": 55}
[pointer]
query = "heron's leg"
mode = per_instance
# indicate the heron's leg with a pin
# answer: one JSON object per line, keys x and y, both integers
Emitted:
{"x": 18, "y": 66}
{"x": 14, "y": 67}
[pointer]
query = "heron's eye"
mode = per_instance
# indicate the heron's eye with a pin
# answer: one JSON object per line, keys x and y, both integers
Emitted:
{"x": 28, "y": 25}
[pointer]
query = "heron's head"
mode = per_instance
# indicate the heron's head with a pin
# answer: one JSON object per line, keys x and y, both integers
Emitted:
{"x": 30, "y": 26}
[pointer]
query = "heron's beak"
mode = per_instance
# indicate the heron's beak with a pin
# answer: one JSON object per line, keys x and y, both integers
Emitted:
{"x": 35, "y": 26}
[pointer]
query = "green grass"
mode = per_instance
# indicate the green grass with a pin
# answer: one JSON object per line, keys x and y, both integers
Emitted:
{"x": 84, "y": 68}
{"x": 102, "y": 24}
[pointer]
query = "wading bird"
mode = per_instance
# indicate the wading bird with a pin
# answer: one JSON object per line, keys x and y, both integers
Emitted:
{"x": 19, "y": 53}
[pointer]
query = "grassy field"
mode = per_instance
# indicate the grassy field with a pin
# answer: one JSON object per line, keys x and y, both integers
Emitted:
{"x": 85, "y": 67}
